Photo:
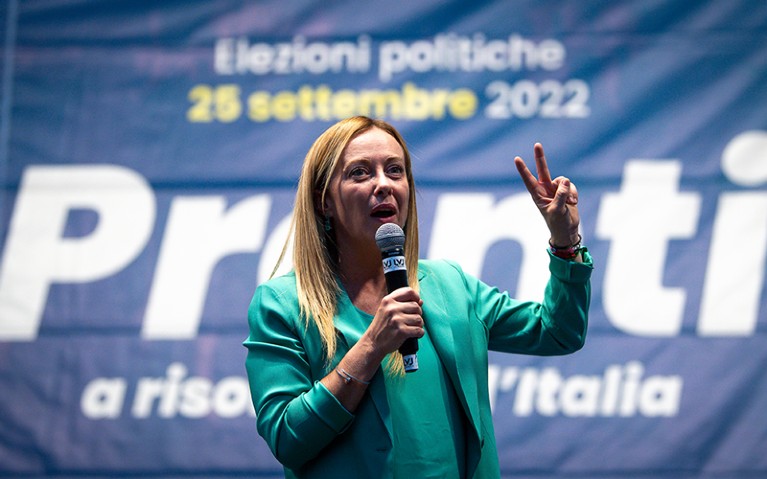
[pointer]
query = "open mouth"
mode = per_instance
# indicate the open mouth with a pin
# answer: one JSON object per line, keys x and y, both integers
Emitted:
{"x": 383, "y": 211}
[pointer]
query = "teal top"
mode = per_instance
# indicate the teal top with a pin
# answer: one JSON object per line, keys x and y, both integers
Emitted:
{"x": 435, "y": 419}
{"x": 313, "y": 435}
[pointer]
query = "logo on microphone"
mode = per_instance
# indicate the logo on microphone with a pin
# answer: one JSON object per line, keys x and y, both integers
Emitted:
{"x": 395, "y": 263}
{"x": 411, "y": 362}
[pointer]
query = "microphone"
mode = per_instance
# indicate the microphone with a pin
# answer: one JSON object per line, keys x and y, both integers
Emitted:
{"x": 391, "y": 241}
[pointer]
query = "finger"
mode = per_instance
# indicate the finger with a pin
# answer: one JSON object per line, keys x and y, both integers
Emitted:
{"x": 404, "y": 301}
{"x": 527, "y": 177}
{"x": 540, "y": 164}
{"x": 414, "y": 320}
{"x": 414, "y": 330}
{"x": 419, "y": 333}
{"x": 562, "y": 194}
{"x": 572, "y": 198}
{"x": 410, "y": 307}
{"x": 404, "y": 295}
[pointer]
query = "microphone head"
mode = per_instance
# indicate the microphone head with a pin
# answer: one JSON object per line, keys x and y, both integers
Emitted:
{"x": 390, "y": 236}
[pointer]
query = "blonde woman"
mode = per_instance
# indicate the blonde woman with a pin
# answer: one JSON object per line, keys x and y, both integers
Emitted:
{"x": 328, "y": 401}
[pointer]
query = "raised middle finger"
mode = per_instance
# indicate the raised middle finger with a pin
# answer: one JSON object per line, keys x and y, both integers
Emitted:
{"x": 541, "y": 167}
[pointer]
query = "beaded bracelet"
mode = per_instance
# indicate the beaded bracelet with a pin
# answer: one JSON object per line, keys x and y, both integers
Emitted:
{"x": 349, "y": 378}
{"x": 566, "y": 252}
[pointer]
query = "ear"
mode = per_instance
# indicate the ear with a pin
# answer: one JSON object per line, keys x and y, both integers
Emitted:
{"x": 324, "y": 208}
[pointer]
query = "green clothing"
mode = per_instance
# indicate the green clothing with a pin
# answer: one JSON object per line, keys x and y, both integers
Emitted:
{"x": 435, "y": 419}
{"x": 313, "y": 435}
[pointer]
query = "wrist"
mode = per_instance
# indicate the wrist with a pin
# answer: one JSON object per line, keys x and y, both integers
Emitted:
{"x": 569, "y": 252}
{"x": 348, "y": 378}
{"x": 363, "y": 360}
{"x": 564, "y": 242}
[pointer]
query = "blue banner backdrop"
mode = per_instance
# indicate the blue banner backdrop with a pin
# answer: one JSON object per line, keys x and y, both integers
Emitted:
{"x": 148, "y": 157}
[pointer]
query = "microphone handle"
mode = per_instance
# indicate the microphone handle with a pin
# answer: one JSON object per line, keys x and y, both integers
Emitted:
{"x": 396, "y": 277}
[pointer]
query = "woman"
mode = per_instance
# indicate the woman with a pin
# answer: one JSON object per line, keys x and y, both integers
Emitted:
{"x": 327, "y": 402}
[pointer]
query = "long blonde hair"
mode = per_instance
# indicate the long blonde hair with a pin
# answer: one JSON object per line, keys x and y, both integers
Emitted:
{"x": 315, "y": 259}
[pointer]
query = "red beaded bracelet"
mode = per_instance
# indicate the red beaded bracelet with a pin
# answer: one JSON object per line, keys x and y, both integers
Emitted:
{"x": 566, "y": 252}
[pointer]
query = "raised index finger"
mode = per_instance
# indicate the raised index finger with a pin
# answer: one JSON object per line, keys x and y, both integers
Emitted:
{"x": 527, "y": 177}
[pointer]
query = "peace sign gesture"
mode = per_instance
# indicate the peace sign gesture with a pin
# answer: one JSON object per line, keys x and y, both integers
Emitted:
{"x": 556, "y": 199}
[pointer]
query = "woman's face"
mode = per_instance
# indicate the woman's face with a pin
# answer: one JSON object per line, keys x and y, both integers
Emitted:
{"x": 369, "y": 188}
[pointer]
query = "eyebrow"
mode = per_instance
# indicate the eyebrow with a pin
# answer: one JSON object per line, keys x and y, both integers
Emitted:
{"x": 366, "y": 159}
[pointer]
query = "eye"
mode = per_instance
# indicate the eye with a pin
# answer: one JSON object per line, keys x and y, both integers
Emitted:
{"x": 396, "y": 169}
{"x": 357, "y": 172}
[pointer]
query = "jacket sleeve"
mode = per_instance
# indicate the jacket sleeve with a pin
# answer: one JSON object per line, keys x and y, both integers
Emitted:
{"x": 296, "y": 414}
{"x": 555, "y": 326}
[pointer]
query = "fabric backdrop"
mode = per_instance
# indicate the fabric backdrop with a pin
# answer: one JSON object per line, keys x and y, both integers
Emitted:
{"x": 149, "y": 153}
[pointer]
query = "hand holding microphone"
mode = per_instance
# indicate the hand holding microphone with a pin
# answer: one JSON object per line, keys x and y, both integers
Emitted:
{"x": 391, "y": 241}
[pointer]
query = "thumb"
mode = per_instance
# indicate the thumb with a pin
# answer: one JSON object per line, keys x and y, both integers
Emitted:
{"x": 562, "y": 193}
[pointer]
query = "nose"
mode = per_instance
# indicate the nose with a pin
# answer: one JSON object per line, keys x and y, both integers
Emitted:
{"x": 383, "y": 185}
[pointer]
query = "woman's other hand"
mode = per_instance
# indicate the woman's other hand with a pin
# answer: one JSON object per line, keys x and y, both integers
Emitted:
{"x": 556, "y": 199}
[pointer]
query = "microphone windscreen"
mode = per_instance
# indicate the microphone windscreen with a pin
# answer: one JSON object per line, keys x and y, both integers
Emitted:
{"x": 389, "y": 236}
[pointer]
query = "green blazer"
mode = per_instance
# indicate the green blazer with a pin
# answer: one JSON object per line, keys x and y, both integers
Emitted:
{"x": 313, "y": 435}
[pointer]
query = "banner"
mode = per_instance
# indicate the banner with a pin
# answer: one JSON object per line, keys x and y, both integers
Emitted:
{"x": 149, "y": 154}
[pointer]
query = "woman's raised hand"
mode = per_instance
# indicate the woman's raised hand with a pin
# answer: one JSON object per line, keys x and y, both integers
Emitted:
{"x": 556, "y": 199}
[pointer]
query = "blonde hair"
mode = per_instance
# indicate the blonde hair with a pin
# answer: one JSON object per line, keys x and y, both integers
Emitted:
{"x": 315, "y": 258}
